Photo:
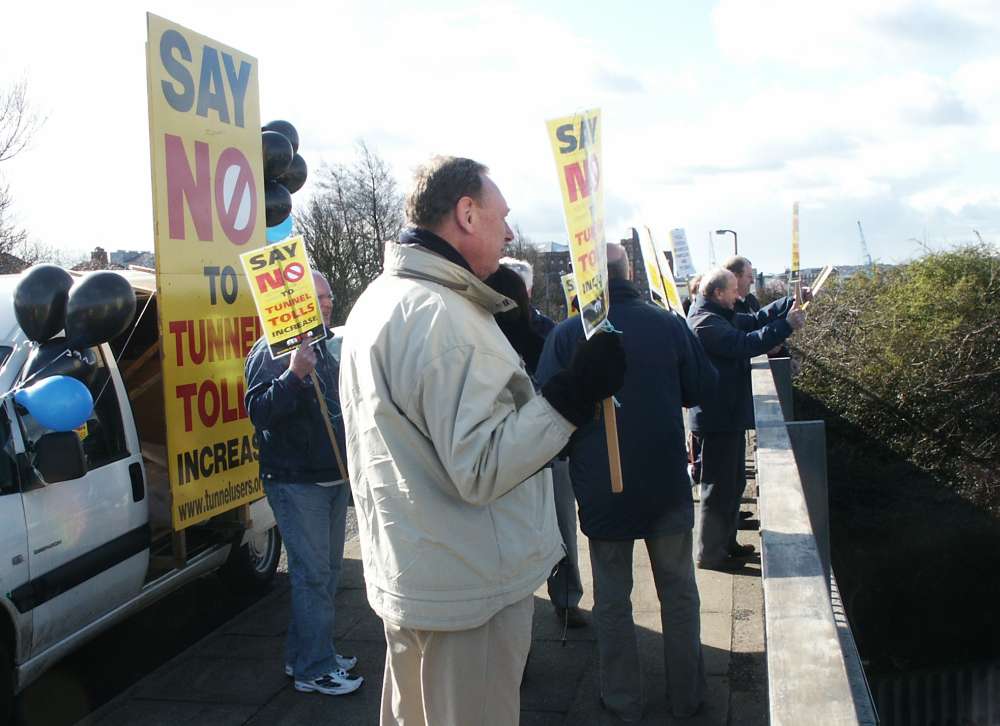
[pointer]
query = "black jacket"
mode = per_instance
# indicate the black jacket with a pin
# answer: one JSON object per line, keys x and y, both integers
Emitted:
{"x": 731, "y": 339}
{"x": 666, "y": 369}
{"x": 293, "y": 440}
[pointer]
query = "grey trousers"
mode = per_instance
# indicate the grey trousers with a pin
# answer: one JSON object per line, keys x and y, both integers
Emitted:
{"x": 723, "y": 479}
{"x": 565, "y": 588}
{"x": 617, "y": 646}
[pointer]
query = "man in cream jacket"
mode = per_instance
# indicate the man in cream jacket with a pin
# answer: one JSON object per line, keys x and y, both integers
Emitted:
{"x": 447, "y": 443}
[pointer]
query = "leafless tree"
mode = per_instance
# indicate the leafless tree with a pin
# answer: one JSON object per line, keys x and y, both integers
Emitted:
{"x": 356, "y": 209}
{"x": 18, "y": 120}
{"x": 18, "y": 124}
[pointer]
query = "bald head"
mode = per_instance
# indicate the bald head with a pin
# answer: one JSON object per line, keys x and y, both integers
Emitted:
{"x": 618, "y": 267}
{"x": 325, "y": 297}
{"x": 719, "y": 286}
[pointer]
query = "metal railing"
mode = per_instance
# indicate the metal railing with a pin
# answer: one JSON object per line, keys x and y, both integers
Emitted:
{"x": 813, "y": 669}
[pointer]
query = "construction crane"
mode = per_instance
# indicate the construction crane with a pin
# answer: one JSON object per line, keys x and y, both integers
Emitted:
{"x": 864, "y": 248}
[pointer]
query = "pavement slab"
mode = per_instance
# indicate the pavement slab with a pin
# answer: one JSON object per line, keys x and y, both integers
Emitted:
{"x": 235, "y": 675}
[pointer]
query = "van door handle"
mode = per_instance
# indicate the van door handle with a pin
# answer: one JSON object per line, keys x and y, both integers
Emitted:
{"x": 138, "y": 485}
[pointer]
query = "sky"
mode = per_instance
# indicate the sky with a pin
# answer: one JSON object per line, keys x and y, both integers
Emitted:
{"x": 715, "y": 115}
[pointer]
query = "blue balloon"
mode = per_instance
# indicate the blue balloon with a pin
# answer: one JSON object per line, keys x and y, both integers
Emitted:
{"x": 280, "y": 231}
{"x": 58, "y": 403}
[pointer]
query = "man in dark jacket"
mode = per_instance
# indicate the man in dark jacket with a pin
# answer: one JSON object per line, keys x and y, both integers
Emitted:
{"x": 564, "y": 585}
{"x": 720, "y": 423}
{"x": 667, "y": 369}
{"x": 308, "y": 494}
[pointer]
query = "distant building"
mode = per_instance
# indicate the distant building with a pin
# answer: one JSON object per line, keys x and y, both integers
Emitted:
{"x": 133, "y": 257}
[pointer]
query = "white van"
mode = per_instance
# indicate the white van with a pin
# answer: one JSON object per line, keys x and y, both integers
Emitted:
{"x": 83, "y": 544}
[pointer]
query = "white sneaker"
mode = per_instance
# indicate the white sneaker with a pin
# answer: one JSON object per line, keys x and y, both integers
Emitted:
{"x": 345, "y": 662}
{"x": 335, "y": 683}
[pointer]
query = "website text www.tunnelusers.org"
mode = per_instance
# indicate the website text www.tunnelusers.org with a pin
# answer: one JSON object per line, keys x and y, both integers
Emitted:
{"x": 214, "y": 500}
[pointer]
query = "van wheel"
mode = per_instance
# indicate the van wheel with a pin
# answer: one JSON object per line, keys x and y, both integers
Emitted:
{"x": 251, "y": 567}
{"x": 6, "y": 683}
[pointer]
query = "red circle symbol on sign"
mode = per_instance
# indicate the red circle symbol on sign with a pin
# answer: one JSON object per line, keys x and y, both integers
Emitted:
{"x": 235, "y": 196}
{"x": 294, "y": 272}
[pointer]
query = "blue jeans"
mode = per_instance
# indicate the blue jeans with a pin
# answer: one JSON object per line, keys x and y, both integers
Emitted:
{"x": 311, "y": 520}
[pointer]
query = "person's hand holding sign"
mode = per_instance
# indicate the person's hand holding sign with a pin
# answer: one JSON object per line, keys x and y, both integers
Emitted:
{"x": 796, "y": 316}
{"x": 303, "y": 361}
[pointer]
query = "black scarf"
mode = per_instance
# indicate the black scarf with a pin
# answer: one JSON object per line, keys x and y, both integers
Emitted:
{"x": 430, "y": 241}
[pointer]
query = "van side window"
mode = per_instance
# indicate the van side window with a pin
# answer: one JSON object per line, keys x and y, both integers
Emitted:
{"x": 103, "y": 435}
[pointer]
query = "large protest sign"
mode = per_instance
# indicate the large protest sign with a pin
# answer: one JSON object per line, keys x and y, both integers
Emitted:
{"x": 208, "y": 202}
{"x": 576, "y": 143}
{"x": 282, "y": 285}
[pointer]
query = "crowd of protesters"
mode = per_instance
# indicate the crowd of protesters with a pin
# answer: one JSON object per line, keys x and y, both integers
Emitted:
{"x": 472, "y": 435}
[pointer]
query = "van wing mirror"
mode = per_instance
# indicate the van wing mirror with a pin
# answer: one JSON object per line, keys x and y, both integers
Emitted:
{"x": 59, "y": 457}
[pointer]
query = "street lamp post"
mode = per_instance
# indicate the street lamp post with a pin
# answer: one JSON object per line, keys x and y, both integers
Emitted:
{"x": 736, "y": 249}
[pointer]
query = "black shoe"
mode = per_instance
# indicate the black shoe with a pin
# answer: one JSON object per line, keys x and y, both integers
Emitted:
{"x": 744, "y": 514}
{"x": 739, "y": 550}
{"x": 572, "y": 616}
{"x": 727, "y": 565}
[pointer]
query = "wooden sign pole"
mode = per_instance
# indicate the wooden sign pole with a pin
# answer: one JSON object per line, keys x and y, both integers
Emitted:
{"x": 614, "y": 455}
{"x": 329, "y": 426}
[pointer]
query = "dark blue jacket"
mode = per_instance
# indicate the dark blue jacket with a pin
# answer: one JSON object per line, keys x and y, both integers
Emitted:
{"x": 731, "y": 339}
{"x": 294, "y": 444}
{"x": 666, "y": 369}
{"x": 540, "y": 323}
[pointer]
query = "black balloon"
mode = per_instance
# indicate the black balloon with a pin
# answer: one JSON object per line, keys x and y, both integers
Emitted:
{"x": 40, "y": 301}
{"x": 277, "y": 154}
{"x": 100, "y": 308}
{"x": 285, "y": 129}
{"x": 295, "y": 177}
{"x": 277, "y": 203}
{"x": 55, "y": 358}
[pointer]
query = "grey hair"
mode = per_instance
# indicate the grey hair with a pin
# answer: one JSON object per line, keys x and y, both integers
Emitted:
{"x": 438, "y": 185}
{"x": 736, "y": 264}
{"x": 713, "y": 281}
{"x": 694, "y": 284}
{"x": 522, "y": 268}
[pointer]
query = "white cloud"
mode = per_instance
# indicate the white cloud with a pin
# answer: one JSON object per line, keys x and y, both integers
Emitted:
{"x": 855, "y": 109}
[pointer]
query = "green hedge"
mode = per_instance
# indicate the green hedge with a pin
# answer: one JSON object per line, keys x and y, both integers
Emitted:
{"x": 911, "y": 359}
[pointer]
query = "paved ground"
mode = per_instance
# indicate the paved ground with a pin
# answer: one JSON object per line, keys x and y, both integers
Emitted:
{"x": 234, "y": 676}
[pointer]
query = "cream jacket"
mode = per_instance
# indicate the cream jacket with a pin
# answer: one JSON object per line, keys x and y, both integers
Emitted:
{"x": 446, "y": 444}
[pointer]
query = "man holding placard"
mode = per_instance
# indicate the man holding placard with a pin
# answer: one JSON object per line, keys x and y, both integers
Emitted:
{"x": 446, "y": 444}
{"x": 667, "y": 369}
{"x": 290, "y": 400}
{"x": 720, "y": 423}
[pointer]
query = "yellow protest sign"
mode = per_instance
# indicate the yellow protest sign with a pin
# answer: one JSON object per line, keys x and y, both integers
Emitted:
{"x": 671, "y": 296}
{"x": 794, "y": 272}
{"x": 208, "y": 202}
{"x": 569, "y": 291}
{"x": 576, "y": 144}
{"x": 282, "y": 285}
{"x": 652, "y": 267}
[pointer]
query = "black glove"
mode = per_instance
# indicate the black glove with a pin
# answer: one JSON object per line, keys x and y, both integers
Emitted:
{"x": 596, "y": 372}
{"x": 516, "y": 322}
